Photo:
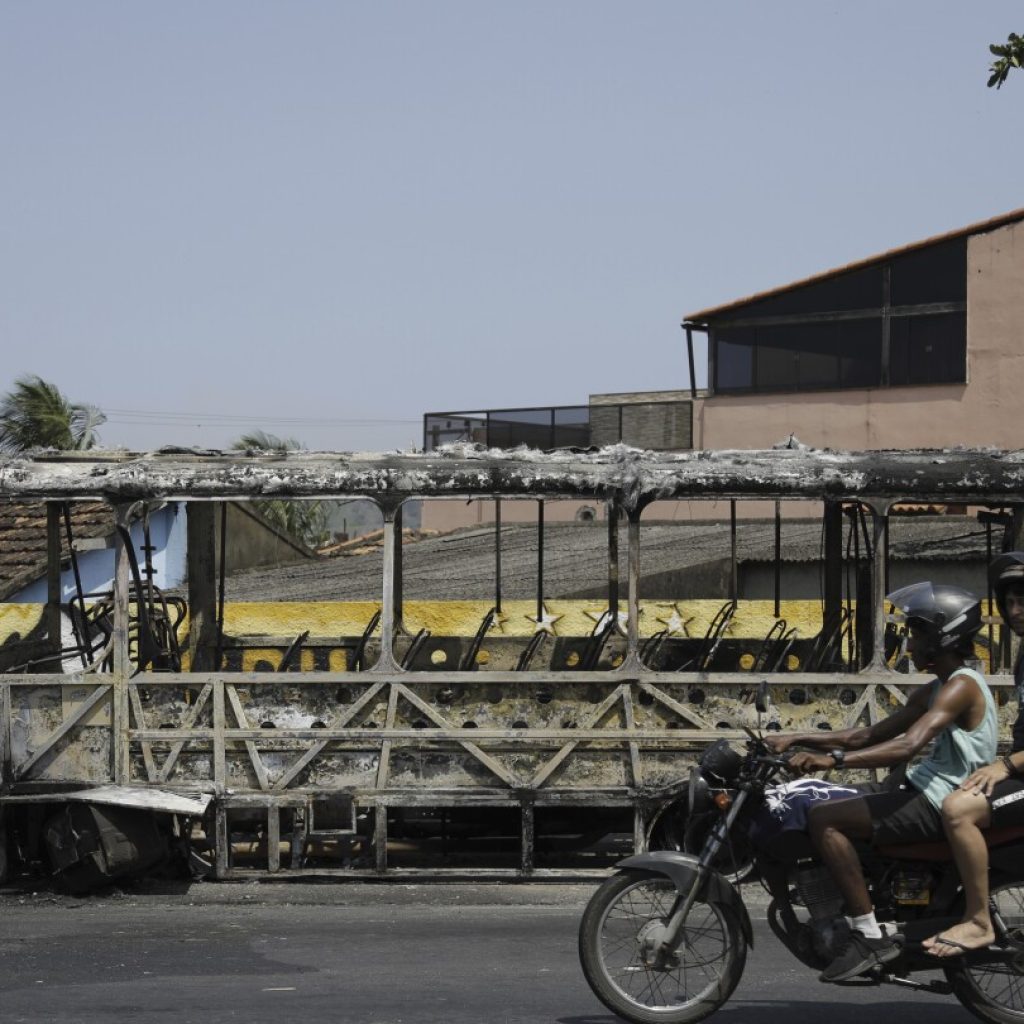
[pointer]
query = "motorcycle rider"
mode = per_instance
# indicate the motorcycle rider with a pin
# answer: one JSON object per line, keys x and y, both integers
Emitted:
{"x": 956, "y": 710}
{"x": 991, "y": 796}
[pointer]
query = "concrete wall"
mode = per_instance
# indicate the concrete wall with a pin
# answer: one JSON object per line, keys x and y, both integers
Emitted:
{"x": 252, "y": 542}
{"x": 452, "y": 514}
{"x": 929, "y": 416}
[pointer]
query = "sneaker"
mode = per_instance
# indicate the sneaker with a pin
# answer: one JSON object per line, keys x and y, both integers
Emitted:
{"x": 860, "y": 954}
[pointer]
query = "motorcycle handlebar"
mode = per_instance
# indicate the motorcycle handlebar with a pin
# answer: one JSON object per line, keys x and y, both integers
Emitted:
{"x": 782, "y": 761}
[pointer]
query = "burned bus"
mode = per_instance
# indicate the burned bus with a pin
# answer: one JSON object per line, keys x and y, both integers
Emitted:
{"x": 509, "y": 701}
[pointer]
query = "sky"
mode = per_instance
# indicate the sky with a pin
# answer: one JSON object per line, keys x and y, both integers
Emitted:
{"x": 324, "y": 219}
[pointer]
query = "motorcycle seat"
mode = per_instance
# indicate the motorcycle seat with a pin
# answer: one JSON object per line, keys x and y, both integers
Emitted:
{"x": 940, "y": 851}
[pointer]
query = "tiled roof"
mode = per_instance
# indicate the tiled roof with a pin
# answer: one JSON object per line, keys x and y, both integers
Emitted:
{"x": 460, "y": 565}
{"x": 23, "y": 538}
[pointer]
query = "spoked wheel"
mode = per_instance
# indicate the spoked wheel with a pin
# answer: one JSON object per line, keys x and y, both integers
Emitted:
{"x": 995, "y": 992}
{"x": 619, "y": 952}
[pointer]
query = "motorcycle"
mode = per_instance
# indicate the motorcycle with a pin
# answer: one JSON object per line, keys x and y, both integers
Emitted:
{"x": 664, "y": 940}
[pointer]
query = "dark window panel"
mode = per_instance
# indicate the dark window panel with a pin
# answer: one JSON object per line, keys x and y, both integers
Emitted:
{"x": 572, "y": 416}
{"x": 734, "y": 359}
{"x": 523, "y": 416}
{"x": 801, "y": 357}
{"x": 439, "y": 430}
{"x": 860, "y": 353}
{"x": 777, "y": 365}
{"x": 818, "y": 356}
{"x": 856, "y": 289}
{"x": 507, "y": 428}
{"x": 509, "y": 435}
{"x": 937, "y": 273}
{"x": 798, "y": 357}
{"x": 928, "y": 349}
{"x": 572, "y": 427}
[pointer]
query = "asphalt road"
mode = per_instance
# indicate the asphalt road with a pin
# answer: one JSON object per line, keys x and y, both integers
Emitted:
{"x": 361, "y": 954}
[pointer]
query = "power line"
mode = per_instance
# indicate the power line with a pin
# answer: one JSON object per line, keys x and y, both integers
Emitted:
{"x": 154, "y": 416}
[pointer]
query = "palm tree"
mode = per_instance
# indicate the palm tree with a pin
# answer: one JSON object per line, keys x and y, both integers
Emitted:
{"x": 305, "y": 520}
{"x": 34, "y": 414}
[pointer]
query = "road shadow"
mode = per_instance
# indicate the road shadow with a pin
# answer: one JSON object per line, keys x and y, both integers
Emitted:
{"x": 915, "y": 1009}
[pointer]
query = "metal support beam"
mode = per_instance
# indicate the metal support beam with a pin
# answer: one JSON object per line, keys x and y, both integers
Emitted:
{"x": 528, "y": 840}
{"x": 734, "y": 587}
{"x": 53, "y": 591}
{"x": 633, "y": 608}
{"x": 201, "y": 532}
{"x": 497, "y": 554}
{"x": 219, "y": 742}
{"x": 833, "y": 583}
{"x": 122, "y": 665}
{"x": 540, "y": 560}
{"x": 880, "y": 529}
{"x": 390, "y": 616}
{"x": 380, "y": 836}
{"x": 612, "y": 510}
{"x": 778, "y": 558}
{"x": 222, "y": 841}
{"x": 868, "y": 313}
{"x": 689, "y": 357}
{"x": 399, "y": 555}
{"x": 273, "y": 838}
{"x": 639, "y": 828}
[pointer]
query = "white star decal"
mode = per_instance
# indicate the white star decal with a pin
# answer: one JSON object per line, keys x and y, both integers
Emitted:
{"x": 546, "y": 622}
{"x": 675, "y": 623}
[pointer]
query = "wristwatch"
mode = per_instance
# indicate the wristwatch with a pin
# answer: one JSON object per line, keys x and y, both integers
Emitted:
{"x": 839, "y": 756}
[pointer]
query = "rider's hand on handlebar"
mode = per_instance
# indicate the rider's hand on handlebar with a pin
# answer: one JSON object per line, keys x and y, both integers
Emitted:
{"x": 780, "y": 742}
{"x": 982, "y": 780}
{"x": 806, "y": 762}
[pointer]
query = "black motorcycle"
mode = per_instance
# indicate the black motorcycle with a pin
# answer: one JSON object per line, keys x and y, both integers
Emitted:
{"x": 664, "y": 940}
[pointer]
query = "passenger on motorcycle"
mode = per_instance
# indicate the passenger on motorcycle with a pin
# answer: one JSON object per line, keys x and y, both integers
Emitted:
{"x": 991, "y": 796}
{"x": 956, "y": 710}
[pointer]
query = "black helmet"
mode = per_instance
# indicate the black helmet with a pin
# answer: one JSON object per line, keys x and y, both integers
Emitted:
{"x": 947, "y": 615}
{"x": 1004, "y": 571}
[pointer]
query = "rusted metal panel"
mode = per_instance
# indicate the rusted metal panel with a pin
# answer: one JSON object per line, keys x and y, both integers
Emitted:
{"x": 141, "y": 798}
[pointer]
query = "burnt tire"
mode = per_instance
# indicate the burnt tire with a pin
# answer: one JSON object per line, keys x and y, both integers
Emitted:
{"x": 706, "y": 968}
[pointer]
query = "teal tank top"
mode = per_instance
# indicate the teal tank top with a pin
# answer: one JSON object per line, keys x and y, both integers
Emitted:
{"x": 956, "y": 752}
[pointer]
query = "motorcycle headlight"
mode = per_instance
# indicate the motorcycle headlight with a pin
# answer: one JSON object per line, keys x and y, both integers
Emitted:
{"x": 721, "y": 762}
{"x": 700, "y": 794}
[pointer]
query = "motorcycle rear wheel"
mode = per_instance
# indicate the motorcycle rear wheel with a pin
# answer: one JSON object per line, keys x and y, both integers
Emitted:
{"x": 706, "y": 967}
{"x": 996, "y": 994}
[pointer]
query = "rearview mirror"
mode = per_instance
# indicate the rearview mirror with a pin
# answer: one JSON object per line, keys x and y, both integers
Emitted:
{"x": 761, "y": 697}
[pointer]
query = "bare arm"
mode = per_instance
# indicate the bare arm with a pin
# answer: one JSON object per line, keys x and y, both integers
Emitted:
{"x": 984, "y": 779}
{"x": 863, "y": 736}
{"x": 955, "y": 698}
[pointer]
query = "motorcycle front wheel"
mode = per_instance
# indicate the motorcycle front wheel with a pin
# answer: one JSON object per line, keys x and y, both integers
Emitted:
{"x": 995, "y": 992}
{"x": 624, "y": 973}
